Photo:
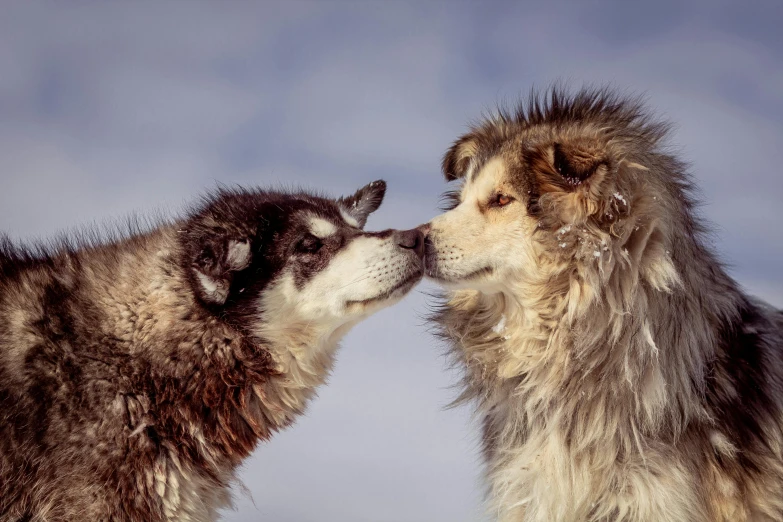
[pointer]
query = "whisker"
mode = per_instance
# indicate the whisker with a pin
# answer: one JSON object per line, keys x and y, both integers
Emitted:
{"x": 363, "y": 278}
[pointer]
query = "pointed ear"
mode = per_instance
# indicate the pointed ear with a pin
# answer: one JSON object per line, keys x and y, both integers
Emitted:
{"x": 215, "y": 258}
{"x": 364, "y": 202}
{"x": 457, "y": 159}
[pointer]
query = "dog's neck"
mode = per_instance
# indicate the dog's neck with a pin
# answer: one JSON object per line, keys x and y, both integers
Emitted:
{"x": 564, "y": 348}
{"x": 234, "y": 387}
{"x": 303, "y": 353}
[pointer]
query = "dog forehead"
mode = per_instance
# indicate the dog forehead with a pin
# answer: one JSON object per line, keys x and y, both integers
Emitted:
{"x": 486, "y": 179}
{"x": 321, "y": 227}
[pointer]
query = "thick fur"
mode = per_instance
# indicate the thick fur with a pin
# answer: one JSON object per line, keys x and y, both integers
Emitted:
{"x": 136, "y": 375}
{"x": 619, "y": 372}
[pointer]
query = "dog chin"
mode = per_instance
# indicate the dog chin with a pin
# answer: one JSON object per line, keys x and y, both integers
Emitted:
{"x": 452, "y": 280}
{"x": 386, "y": 298}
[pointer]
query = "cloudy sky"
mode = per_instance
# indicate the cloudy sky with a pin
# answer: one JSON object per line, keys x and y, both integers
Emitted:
{"x": 117, "y": 107}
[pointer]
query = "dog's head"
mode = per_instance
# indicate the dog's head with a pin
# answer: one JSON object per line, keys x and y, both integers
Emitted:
{"x": 567, "y": 183}
{"x": 287, "y": 260}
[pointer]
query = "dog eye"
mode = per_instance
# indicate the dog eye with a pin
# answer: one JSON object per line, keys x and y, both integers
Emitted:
{"x": 309, "y": 244}
{"x": 500, "y": 200}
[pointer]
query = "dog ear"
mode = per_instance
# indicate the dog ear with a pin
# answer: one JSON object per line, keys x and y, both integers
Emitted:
{"x": 576, "y": 166}
{"x": 364, "y": 202}
{"x": 457, "y": 159}
{"x": 215, "y": 258}
{"x": 576, "y": 162}
{"x": 572, "y": 176}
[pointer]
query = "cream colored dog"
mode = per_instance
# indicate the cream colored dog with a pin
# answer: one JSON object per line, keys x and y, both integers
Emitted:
{"x": 620, "y": 373}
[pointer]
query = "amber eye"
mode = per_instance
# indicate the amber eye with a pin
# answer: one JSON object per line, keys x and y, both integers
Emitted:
{"x": 501, "y": 200}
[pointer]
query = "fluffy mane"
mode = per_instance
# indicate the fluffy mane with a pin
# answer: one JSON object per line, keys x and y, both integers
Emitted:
{"x": 628, "y": 339}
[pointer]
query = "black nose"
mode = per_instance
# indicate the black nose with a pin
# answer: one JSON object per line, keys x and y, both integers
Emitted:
{"x": 411, "y": 240}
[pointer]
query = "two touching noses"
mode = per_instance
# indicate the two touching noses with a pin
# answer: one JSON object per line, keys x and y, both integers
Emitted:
{"x": 413, "y": 239}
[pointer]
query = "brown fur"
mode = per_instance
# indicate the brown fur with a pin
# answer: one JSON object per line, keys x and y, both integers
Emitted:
{"x": 136, "y": 375}
{"x": 621, "y": 375}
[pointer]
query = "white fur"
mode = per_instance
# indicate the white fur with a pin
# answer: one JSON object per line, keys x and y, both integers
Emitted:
{"x": 349, "y": 218}
{"x": 367, "y": 268}
{"x": 215, "y": 289}
{"x": 238, "y": 255}
{"x": 322, "y": 228}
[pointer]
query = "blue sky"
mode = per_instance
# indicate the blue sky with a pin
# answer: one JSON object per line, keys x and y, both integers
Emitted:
{"x": 118, "y": 107}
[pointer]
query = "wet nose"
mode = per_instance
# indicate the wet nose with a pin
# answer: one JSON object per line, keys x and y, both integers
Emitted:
{"x": 411, "y": 240}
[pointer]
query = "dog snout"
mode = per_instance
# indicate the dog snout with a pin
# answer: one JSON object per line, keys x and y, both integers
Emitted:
{"x": 412, "y": 239}
{"x": 428, "y": 246}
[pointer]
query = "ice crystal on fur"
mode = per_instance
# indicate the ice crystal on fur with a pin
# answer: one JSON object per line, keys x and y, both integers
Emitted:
{"x": 501, "y": 326}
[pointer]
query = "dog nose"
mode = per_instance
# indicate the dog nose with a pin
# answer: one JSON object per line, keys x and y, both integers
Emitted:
{"x": 411, "y": 240}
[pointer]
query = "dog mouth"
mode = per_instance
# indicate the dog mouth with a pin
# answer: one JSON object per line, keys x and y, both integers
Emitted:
{"x": 448, "y": 273}
{"x": 437, "y": 275}
{"x": 398, "y": 290}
